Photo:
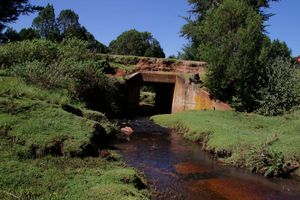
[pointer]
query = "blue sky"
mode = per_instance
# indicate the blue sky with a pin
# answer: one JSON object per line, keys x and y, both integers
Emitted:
{"x": 106, "y": 19}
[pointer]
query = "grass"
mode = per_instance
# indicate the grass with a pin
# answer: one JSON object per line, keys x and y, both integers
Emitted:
{"x": 240, "y": 136}
{"x": 16, "y": 88}
{"x": 68, "y": 178}
{"x": 49, "y": 153}
{"x": 147, "y": 98}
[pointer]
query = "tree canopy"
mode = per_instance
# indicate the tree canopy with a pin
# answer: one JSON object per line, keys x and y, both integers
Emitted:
{"x": 199, "y": 9}
{"x": 230, "y": 38}
{"x": 67, "y": 20}
{"x": 232, "y": 35}
{"x": 136, "y": 43}
{"x": 10, "y": 10}
{"x": 45, "y": 24}
{"x": 10, "y": 35}
{"x": 65, "y": 26}
{"x": 28, "y": 34}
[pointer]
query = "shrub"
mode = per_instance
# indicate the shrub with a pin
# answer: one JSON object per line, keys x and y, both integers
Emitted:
{"x": 44, "y": 50}
{"x": 280, "y": 89}
{"x": 28, "y": 51}
{"x": 68, "y": 65}
{"x": 39, "y": 73}
{"x": 268, "y": 163}
{"x": 89, "y": 84}
{"x": 73, "y": 49}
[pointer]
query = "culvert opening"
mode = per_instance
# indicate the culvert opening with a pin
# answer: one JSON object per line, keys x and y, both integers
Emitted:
{"x": 155, "y": 98}
{"x": 150, "y": 93}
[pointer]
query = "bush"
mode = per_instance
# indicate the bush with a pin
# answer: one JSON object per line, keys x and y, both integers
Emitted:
{"x": 39, "y": 73}
{"x": 271, "y": 164}
{"x": 68, "y": 65}
{"x": 73, "y": 49}
{"x": 280, "y": 89}
{"x": 85, "y": 81}
{"x": 28, "y": 51}
{"x": 89, "y": 84}
{"x": 45, "y": 51}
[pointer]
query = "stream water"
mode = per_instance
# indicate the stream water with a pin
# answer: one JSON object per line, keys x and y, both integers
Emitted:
{"x": 178, "y": 169}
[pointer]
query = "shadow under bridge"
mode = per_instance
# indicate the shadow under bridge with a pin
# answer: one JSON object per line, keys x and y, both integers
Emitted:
{"x": 163, "y": 83}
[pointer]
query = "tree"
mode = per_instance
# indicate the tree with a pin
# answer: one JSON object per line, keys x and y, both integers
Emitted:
{"x": 198, "y": 13}
{"x": 28, "y": 34}
{"x": 155, "y": 50}
{"x": 67, "y": 20}
{"x": 232, "y": 40}
{"x": 279, "y": 49}
{"x": 45, "y": 24}
{"x": 10, "y": 35}
{"x": 136, "y": 43}
{"x": 81, "y": 33}
{"x": 271, "y": 50}
{"x": 69, "y": 26}
{"x": 10, "y": 10}
{"x": 189, "y": 52}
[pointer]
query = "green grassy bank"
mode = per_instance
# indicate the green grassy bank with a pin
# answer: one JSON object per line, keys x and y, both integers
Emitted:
{"x": 268, "y": 145}
{"x": 46, "y": 152}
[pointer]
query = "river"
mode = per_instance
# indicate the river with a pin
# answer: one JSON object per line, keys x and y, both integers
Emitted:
{"x": 179, "y": 169}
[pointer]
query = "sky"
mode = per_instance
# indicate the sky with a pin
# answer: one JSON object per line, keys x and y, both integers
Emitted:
{"x": 106, "y": 19}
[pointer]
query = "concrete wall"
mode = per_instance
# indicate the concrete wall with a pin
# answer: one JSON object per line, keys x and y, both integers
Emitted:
{"x": 192, "y": 97}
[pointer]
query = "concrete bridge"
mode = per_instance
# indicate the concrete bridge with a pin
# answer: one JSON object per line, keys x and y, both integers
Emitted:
{"x": 174, "y": 92}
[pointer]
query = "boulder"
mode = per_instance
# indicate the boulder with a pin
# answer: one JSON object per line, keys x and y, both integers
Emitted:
{"x": 127, "y": 131}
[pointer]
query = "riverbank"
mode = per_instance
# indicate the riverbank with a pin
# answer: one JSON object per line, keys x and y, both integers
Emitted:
{"x": 50, "y": 149}
{"x": 267, "y": 145}
{"x": 180, "y": 169}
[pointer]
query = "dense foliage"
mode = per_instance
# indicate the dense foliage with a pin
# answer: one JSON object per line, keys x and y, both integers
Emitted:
{"x": 229, "y": 36}
{"x": 68, "y": 65}
{"x": 45, "y": 24}
{"x": 66, "y": 20}
{"x": 136, "y": 43}
{"x": 233, "y": 35}
{"x": 280, "y": 89}
{"x": 198, "y": 13}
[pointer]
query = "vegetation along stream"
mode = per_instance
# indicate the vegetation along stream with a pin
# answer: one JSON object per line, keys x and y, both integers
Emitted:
{"x": 178, "y": 169}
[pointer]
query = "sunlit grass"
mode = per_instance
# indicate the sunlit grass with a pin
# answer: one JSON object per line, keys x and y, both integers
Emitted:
{"x": 39, "y": 144}
{"x": 239, "y": 133}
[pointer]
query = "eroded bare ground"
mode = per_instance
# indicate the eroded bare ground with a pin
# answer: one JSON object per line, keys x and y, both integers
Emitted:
{"x": 177, "y": 169}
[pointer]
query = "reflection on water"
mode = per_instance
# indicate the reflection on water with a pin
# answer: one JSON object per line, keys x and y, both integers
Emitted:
{"x": 178, "y": 169}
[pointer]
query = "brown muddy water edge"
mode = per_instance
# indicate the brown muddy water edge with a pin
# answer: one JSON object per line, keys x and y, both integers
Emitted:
{"x": 178, "y": 169}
